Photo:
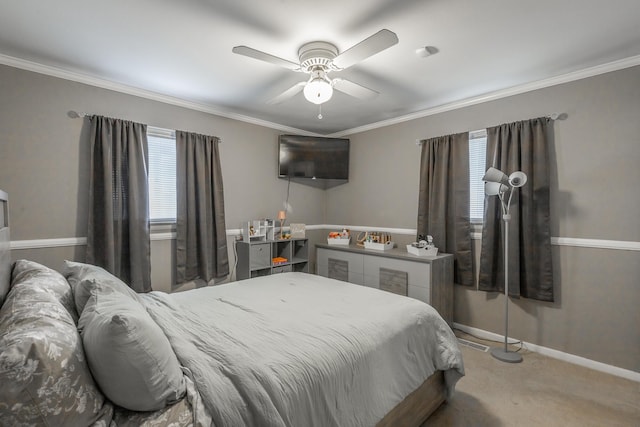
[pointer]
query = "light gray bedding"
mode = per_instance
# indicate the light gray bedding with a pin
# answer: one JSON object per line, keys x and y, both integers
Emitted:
{"x": 296, "y": 349}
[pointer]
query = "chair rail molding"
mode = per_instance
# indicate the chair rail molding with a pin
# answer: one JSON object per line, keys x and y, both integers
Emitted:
{"x": 624, "y": 245}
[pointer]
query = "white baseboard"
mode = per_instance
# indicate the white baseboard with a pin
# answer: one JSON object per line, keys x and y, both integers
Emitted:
{"x": 556, "y": 354}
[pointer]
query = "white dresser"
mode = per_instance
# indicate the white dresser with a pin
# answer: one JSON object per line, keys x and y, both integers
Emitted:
{"x": 429, "y": 279}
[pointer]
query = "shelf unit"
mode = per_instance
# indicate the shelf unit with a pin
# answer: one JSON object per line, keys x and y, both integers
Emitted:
{"x": 258, "y": 230}
{"x": 255, "y": 258}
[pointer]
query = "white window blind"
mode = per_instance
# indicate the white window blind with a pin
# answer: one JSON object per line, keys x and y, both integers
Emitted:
{"x": 162, "y": 174}
{"x": 477, "y": 159}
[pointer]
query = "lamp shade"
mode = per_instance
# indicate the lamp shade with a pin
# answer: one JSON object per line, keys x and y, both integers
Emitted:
{"x": 318, "y": 90}
{"x": 494, "y": 188}
{"x": 282, "y": 215}
{"x": 517, "y": 179}
{"x": 495, "y": 175}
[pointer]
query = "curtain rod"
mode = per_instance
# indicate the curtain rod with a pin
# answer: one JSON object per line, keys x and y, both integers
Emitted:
{"x": 552, "y": 116}
{"x": 79, "y": 115}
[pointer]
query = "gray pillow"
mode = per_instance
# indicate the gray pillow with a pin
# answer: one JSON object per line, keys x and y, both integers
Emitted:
{"x": 130, "y": 357}
{"x": 84, "y": 278}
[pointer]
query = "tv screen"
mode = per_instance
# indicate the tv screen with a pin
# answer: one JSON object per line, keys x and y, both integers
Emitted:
{"x": 316, "y": 158}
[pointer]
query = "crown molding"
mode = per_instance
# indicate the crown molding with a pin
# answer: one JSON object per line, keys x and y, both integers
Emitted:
{"x": 491, "y": 96}
{"x": 142, "y": 93}
{"x": 499, "y": 94}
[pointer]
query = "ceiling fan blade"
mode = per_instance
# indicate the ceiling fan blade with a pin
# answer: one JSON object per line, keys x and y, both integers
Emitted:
{"x": 257, "y": 54}
{"x": 353, "y": 89}
{"x": 378, "y": 42}
{"x": 292, "y": 91}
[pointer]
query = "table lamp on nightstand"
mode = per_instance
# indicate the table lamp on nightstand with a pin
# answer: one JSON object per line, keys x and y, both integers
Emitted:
{"x": 282, "y": 215}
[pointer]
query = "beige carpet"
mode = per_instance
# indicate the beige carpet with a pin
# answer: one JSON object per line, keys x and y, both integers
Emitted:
{"x": 540, "y": 391}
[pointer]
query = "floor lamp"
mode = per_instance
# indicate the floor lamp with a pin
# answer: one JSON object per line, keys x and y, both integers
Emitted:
{"x": 497, "y": 183}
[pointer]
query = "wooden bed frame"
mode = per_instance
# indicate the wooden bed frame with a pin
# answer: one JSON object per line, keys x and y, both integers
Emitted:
{"x": 419, "y": 405}
{"x": 413, "y": 411}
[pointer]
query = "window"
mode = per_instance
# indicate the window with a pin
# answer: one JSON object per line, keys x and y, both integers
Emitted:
{"x": 477, "y": 160}
{"x": 162, "y": 174}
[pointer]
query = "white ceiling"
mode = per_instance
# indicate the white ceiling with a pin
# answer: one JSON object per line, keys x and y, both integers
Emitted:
{"x": 182, "y": 50}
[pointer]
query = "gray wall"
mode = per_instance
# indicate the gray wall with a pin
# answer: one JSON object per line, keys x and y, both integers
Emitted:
{"x": 594, "y": 192}
{"x": 44, "y": 164}
{"x": 594, "y": 195}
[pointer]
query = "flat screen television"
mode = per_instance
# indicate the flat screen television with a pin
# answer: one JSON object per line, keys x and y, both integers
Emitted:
{"x": 317, "y": 161}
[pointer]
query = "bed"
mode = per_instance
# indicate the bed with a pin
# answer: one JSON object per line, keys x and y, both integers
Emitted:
{"x": 292, "y": 349}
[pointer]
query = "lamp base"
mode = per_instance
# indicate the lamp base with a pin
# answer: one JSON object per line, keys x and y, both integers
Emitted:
{"x": 506, "y": 356}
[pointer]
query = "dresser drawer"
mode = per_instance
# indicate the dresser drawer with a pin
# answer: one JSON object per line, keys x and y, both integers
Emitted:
{"x": 420, "y": 293}
{"x": 379, "y": 273}
{"x": 340, "y": 265}
{"x": 418, "y": 274}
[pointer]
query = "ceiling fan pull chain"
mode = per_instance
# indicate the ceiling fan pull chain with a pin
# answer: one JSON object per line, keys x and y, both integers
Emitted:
{"x": 319, "y": 111}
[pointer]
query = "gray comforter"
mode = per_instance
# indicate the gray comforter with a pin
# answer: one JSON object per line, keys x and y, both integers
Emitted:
{"x": 296, "y": 349}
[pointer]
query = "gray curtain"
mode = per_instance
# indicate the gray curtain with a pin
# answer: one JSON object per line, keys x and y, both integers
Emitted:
{"x": 201, "y": 239}
{"x": 443, "y": 203}
{"x": 512, "y": 147}
{"x": 118, "y": 232}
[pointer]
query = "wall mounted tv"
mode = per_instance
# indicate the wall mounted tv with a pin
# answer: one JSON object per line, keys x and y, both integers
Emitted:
{"x": 316, "y": 161}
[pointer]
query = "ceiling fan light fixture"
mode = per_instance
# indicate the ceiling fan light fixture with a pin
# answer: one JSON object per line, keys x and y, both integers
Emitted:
{"x": 317, "y": 59}
{"x": 318, "y": 90}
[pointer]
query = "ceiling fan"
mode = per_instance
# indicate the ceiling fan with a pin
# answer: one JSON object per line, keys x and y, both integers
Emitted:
{"x": 318, "y": 59}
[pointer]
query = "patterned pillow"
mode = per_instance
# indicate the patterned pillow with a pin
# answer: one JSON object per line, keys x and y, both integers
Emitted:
{"x": 84, "y": 278}
{"x": 179, "y": 414}
{"x": 25, "y": 271}
{"x": 43, "y": 371}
